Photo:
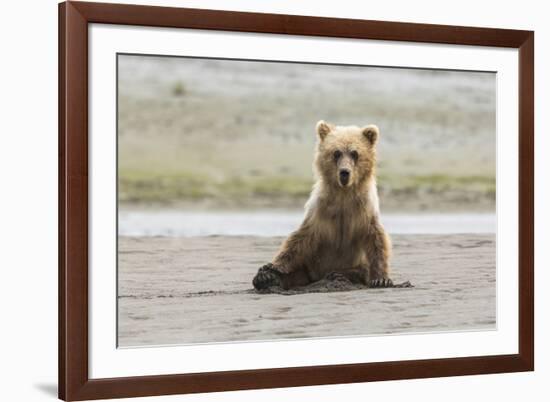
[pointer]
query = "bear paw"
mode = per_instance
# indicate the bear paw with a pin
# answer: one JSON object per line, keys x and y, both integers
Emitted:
{"x": 381, "y": 283}
{"x": 267, "y": 277}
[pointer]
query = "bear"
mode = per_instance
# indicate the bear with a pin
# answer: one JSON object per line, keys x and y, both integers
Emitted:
{"x": 341, "y": 236}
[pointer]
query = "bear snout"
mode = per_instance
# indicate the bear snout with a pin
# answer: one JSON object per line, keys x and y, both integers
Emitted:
{"x": 344, "y": 175}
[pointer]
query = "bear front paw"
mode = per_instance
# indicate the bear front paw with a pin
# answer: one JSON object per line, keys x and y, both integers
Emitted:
{"x": 267, "y": 277}
{"x": 381, "y": 283}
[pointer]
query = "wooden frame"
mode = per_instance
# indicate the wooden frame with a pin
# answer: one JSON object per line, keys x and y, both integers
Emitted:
{"x": 74, "y": 382}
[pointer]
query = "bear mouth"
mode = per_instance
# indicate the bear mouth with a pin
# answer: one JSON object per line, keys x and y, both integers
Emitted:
{"x": 344, "y": 182}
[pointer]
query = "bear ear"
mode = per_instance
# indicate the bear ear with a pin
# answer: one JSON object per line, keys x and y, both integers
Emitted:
{"x": 371, "y": 133}
{"x": 323, "y": 128}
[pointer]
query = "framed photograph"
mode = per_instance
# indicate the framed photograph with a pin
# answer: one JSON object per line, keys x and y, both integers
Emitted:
{"x": 260, "y": 200}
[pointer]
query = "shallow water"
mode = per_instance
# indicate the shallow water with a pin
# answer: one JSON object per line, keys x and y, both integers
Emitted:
{"x": 281, "y": 223}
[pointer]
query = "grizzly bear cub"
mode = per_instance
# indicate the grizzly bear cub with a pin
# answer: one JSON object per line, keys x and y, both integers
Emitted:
{"x": 341, "y": 235}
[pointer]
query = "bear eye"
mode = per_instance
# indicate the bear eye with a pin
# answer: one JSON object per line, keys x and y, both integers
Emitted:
{"x": 337, "y": 155}
{"x": 354, "y": 155}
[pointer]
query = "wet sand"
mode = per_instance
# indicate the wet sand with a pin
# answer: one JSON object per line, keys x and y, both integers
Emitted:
{"x": 198, "y": 289}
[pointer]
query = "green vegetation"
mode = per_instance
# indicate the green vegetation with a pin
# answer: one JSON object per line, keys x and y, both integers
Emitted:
{"x": 439, "y": 183}
{"x": 184, "y": 187}
{"x": 410, "y": 192}
{"x": 178, "y": 89}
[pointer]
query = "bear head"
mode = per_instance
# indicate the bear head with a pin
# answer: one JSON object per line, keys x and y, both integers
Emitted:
{"x": 346, "y": 155}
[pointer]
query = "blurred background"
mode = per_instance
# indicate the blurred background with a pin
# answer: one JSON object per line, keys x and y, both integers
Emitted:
{"x": 219, "y": 143}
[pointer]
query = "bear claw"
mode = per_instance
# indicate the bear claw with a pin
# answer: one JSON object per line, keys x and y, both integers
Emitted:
{"x": 266, "y": 277}
{"x": 381, "y": 283}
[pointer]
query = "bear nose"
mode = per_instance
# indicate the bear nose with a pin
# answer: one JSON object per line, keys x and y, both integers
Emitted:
{"x": 344, "y": 176}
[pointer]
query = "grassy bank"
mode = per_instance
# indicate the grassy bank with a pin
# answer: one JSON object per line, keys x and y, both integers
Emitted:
{"x": 440, "y": 192}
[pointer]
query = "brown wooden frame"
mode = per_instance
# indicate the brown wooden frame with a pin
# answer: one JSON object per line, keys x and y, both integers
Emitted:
{"x": 74, "y": 383}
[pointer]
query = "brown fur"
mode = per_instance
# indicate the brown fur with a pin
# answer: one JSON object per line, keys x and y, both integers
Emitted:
{"x": 341, "y": 233}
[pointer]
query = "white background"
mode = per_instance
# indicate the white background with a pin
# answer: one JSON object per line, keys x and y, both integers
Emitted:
{"x": 28, "y": 221}
{"x": 107, "y": 361}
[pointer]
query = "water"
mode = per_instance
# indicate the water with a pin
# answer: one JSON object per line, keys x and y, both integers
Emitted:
{"x": 281, "y": 223}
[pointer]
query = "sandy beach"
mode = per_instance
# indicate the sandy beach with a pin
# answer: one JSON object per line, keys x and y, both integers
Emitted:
{"x": 179, "y": 290}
